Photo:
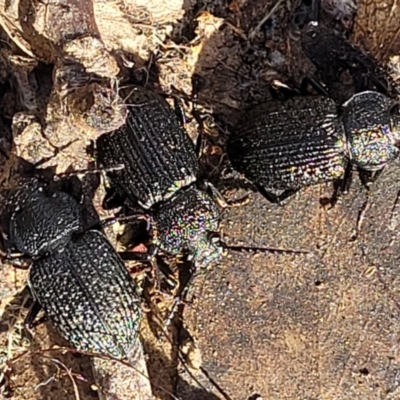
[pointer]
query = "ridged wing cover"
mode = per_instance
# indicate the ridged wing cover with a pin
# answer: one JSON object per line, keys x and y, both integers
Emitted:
{"x": 158, "y": 155}
{"x": 372, "y": 129}
{"x": 186, "y": 224}
{"x": 42, "y": 222}
{"x": 289, "y": 145}
{"x": 89, "y": 296}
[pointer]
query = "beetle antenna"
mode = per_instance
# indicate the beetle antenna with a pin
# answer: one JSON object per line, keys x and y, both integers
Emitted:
{"x": 264, "y": 249}
{"x": 260, "y": 249}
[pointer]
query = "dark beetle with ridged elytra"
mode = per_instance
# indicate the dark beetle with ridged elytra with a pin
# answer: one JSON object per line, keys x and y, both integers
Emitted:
{"x": 89, "y": 296}
{"x": 284, "y": 146}
{"x": 157, "y": 153}
{"x": 76, "y": 276}
{"x": 160, "y": 175}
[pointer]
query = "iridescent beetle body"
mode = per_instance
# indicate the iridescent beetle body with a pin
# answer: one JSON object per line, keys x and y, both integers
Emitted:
{"x": 158, "y": 155}
{"x": 89, "y": 296}
{"x": 284, "y": 146}
{"x": 76, "y": 276}
{"x": 288, "y": 145}
{"x": 160, "y": 174}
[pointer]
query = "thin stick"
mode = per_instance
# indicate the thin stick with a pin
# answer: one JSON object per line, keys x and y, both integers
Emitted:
{"x": 58, "y": 362}
{"x": 267, "y": 16}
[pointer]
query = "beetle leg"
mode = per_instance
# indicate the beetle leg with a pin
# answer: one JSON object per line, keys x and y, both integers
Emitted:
{"x": 217, "y": 195}
{"x": 367, "y": 177}
{"x": 282, "y": 198}
{"x": 180, "y": 298}
{"x": 118, "y": 167}
{"x": 162, "y": 271}
{"x": 200, "y": 136}
{"x": 277, "y": 199}
{"x": 179, "y": 112}
{"x": 137, "y": 217}
{"x": 134, "y": 256}
{"x": 31, "y": 316}
{"x": 342, "y": 186}
{"x": 347, "y": 180}
{"x": 280, "y": 91}
{"x": 177, "y": 97}
{"x": 17, "y": 260}
{"x": 317, "y": 86}
{"x": 112, "y": 220}
{"x": 222, "y": 201}
{"x": 307, "y": 11}
{"x": 271, "y": 197}
{"x": 197, "y": 83}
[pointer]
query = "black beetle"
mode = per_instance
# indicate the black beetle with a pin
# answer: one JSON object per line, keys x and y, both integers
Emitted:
{"x": 157, "y": 153}
{"x": 335, "y": 57}
{"x": 160, "y": 175}
{"x": 284, "y": 146}
{"x": 76, "y": 276}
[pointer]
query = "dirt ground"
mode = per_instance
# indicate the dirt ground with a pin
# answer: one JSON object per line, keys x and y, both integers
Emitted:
{"x": 321, "y": 325}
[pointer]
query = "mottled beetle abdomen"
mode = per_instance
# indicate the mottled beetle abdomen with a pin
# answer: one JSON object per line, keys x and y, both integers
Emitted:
{"x": 157, "y": 154}
{"x": 42, "y": 222}
{"x": 372, "y": 127}
{"x": 89, "y": 296}
{"x": 289, "y": 145}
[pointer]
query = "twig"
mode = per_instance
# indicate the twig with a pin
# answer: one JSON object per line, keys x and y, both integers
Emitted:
{"x": 58, "y": 362}
{"x": 267, "y": 16}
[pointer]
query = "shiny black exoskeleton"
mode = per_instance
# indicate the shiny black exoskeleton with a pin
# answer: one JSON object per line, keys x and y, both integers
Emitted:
{"x": 284, "y": 146}
{"x": 335, "y": 58}
{"x": 160, "y": 175}
{"x": 41, "y": 220}
{"x": 158, "y": 155}
{"x": 76, "y": 276}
